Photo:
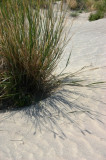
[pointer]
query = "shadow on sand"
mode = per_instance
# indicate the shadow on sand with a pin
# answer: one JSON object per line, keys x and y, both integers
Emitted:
{"x": 64, "y": 106}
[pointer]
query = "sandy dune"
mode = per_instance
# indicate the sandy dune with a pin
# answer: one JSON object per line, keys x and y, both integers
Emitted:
{"x": 71, "y": 124}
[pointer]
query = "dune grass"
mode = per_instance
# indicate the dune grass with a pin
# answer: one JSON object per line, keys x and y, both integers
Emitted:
{"x": 30, "y": 49}
{"x": 81, "y": 4}
{"x": 89, "y": 5}
{"x": 100, "y": 11}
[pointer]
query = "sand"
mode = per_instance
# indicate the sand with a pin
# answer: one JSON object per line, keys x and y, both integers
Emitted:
{"x": 71, "y": 124}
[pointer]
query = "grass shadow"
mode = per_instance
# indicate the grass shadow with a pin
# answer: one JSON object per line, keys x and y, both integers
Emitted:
{"x": 66, "y": 105}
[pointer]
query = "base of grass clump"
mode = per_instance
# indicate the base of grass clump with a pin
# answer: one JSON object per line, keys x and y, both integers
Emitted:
{"x": 22, "y": 98}
{"x": 96, "y": 16}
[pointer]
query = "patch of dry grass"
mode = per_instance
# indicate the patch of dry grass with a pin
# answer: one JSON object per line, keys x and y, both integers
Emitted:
{"x": 89, "y": 5}
{"x": 73, "y": 4}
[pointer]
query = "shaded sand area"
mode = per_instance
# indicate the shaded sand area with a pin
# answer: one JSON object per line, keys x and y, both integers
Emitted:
{"x": 71, "y": 124}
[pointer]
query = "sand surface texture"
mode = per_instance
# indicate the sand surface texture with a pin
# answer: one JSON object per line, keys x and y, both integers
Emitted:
{"x": 71, "y": 124}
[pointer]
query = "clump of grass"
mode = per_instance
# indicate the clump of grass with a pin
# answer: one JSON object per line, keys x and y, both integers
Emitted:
{"x": 90, "y": 5}
{"x": 30, "y": 49}
{"x": 74, "y": 14}
{"x": 96, "y": 16}
{"x": 87, "y": 5}
{"x": 100, "y": 11}
{"x": 72, "y": 4}
{"x": 77, "y": 4}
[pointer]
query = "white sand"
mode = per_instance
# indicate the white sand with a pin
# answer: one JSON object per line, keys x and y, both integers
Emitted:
{"x": 37, "y": 133}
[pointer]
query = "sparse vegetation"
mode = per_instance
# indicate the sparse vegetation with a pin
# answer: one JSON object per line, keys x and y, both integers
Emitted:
{"x": 30, "y": 49}
{"x": 100, "y": 11}
{"x": 81, "y": 4}
{"x": 89, "y": 5}
{"x": 74, "y": 14}
{"x": 96, "y": 16}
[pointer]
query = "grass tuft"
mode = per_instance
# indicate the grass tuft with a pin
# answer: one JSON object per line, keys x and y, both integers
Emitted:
{"x": 100, "y": 11}
{"x": 96, "y": 16}
{"x": 30, "y": 49}
{"x": 74, "y": 14}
